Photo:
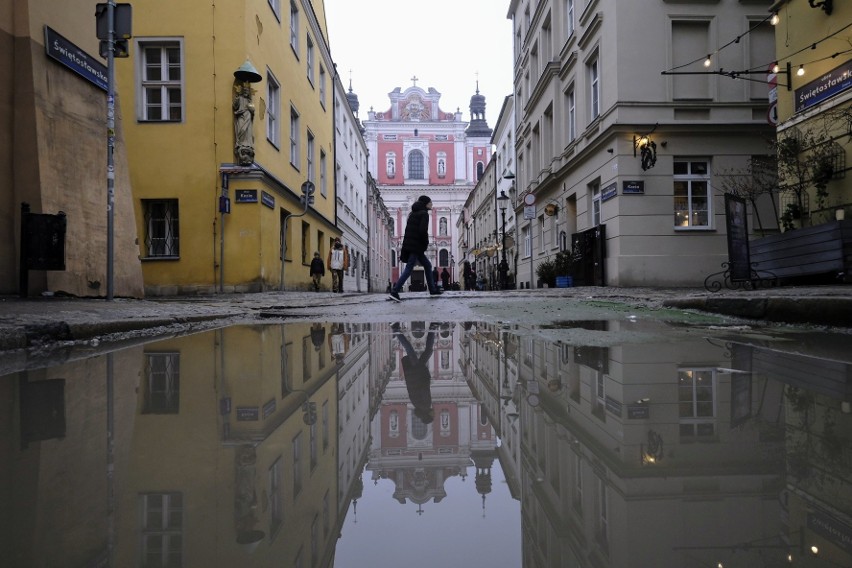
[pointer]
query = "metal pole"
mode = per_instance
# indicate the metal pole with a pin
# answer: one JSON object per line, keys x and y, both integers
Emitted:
{"x": 110, "y": 144}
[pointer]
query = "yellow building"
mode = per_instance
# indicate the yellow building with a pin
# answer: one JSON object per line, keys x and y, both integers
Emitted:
{"x": 814, "y": 103}
{"x": 53, "y": 139}
{"x": 218, "y": 170}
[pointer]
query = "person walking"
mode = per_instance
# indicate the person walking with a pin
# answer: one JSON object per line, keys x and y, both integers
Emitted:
{"x": 468, "y": 276}
{"x": 445, "y": 278}
{"x": 338, "y": 263}
{"x": 317, "y": 271}
{"x": 415, "y": 371}
{"x": 415, "y": 241}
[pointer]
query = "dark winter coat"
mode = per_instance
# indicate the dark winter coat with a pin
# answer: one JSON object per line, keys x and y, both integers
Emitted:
{"x": 317, "y": 266}
{"x": 416, "y": 236}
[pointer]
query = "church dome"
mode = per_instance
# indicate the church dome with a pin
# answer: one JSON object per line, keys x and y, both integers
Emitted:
{"x": 478, "y": 125}
{"x": 352, "y": 99}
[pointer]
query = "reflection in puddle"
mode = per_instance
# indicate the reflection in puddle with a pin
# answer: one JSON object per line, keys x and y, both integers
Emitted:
{"x": 355, "y": 445}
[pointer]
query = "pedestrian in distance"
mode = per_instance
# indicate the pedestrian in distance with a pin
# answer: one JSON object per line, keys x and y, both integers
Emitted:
{"x": 415, "y": 241}
{"x": 435, "y": 276}
{"x": 468, "y": 276}
{"x": 445, "y": 278}
{"x": 338, "y": 263}
{"x": 317, "y": 271}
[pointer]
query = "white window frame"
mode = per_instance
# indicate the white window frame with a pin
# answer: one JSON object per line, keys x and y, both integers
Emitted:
{"x": 688, "y": 378}
{"x": 597, "y": 204}
{"x": 294, "y": 27}
{"x": 165, "y": 534}
{"x": 323, "y": 178}
{"x": 572, "y": 114}
{"x": 309, "y": 156}
{"x": 569, "y": 18}
{"x": 164, "y": 85}
{"x": 309, "y": 58}
{"x": 594, "y": 72}
{"x": 273, "y": 109}
{"x": 527, "y": 236}
{"x": 294, "y": 137}
{"x": 276, "y": 8}
{"x": 322, "y": 85}
{"x": 692, "y": 180}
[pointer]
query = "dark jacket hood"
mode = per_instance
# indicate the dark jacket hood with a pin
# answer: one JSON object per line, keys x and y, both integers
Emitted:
{"x": 418, "y": 206}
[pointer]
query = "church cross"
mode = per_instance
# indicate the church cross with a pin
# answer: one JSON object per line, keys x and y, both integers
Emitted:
{"x": 414, "y": 80}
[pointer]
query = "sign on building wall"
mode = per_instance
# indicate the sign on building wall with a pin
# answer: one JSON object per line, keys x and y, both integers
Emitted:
{"x": 66, "y": 53}
{"x": 832, "y": 83}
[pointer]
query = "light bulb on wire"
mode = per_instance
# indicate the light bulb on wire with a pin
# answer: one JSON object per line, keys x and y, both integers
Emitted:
{"x": 775, "y": 19}
{"x": 708, "y": 62}
{"x": 801, "y": 70}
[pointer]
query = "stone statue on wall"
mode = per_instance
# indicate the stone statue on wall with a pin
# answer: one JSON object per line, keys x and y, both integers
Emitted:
{"x": 243, "y": 123}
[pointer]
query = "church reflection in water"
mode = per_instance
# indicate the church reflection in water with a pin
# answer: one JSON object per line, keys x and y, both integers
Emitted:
{"x": 249, "y": 445}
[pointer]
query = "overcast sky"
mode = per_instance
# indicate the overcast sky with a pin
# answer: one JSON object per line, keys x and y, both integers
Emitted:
{"x": 445, "y": 43}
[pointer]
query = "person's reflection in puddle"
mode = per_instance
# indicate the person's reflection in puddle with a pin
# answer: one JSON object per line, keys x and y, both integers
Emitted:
{"x": 415, "y": 370}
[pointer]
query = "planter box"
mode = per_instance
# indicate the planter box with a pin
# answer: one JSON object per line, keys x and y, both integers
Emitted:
{"x": 823, "y": 249}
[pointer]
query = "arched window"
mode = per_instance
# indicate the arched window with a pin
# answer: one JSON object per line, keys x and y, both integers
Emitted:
{"x": 415, "y": 165}
{"x": 442, "y": 226}
{"x": 480, "y": 167}
{"x": 443, "y": 257}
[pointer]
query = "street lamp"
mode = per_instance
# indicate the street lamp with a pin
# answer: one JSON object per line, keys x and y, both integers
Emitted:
{"x": 503, "y": 200}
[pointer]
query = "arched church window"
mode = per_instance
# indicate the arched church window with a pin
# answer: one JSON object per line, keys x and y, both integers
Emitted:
{"x": 480, "y": 167}
{"x": 443, "y": 257}
{"x": 415, "y": 165}
{"x": 442, "y": 226}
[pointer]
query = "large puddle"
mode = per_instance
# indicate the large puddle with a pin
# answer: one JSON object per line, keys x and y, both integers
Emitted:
{"x": 580, "y": 444}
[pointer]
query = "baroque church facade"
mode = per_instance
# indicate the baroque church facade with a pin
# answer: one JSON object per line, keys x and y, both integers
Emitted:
{"x": 417, "y": 148}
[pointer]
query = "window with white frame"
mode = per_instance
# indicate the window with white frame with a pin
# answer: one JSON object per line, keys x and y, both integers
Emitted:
{"x": 691, "y": 194}
{"x": 162, "y": 384}
{"x": 160, "y": 81}
{"x": 276, "y": 8}
{"x": 297, "y": 464}
{"x": 294, "y": 26}
{"x": 161, "y": 529}
{"x": 541, "y": 243}
{"x": 696, "y": 402}
{"x": 310, "y": 157}
{"x": 162, "y": 228}
{"x": 577, "y": 492}
{"x": 273, "y": 109}
{"x": 571, "y": 103}
{"x": 322, "y": 85}
{"x": 323, "y": 178}
{"x": 595, "y": 192}
{"x": 294, "y": 137}
{"x": 602, "y": 529}
{"x": 415, "y": 165}
{"x": 569, "y": 17}
{"x": 594, "y": 72}
{"x": 310, "y": 60}
{"x": 527, "y": 238}
{"x": 276, "y": 497}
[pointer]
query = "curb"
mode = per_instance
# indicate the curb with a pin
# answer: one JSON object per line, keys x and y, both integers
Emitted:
{"x": 830, "y": 311}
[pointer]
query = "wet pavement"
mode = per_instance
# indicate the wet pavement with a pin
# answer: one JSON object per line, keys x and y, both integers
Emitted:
{"x": 512, "y": 430}
{"x": 38, "y": 321}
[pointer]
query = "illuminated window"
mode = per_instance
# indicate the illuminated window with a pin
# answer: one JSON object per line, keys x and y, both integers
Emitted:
{"x": 692, "y": 194}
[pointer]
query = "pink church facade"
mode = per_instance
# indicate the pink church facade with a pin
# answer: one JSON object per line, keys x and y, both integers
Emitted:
{"x": 417, "y": 148}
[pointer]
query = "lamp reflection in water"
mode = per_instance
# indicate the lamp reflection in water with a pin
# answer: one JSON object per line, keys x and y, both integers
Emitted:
{"x": 652, "y": 452}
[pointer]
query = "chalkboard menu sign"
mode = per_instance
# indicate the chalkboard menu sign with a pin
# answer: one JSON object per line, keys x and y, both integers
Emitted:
{"x": 736, "y": 218}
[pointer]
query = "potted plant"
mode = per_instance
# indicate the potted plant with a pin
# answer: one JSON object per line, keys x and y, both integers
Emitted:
{"x": 564, "y": 269}
{"x": 546, "y": 272}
